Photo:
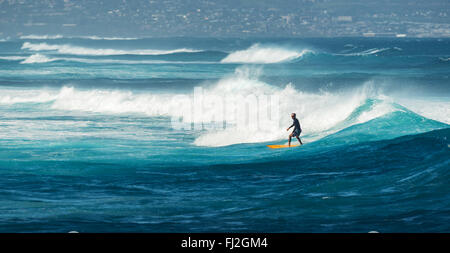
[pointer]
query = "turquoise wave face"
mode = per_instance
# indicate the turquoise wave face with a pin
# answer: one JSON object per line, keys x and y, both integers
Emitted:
{"x": 398, "y": 123}
{"x": 87, "y": 141}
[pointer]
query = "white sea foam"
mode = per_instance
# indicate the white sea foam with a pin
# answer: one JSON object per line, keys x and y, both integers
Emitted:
{"x": 264, "y": 55}
{"x": 111, "y": 101}
{"x": 37, "y": 58}
{"x": 12, "y": 58}
{"x": 371, "y": 51}
{"x": 58, "y": 36}
{"x": 41, "y": 37}
{"x": 8, "y": 96}
{"x": 128, "y": 62}
{"x": 320, "y": 114}
{"x": 75, "y": 50}
{"x": 106, "y": 38}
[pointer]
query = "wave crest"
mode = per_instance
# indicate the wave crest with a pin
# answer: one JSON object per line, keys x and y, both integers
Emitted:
{"x": 37, "y": 58}
{"x": 264, "y": 55}
{"x": 372, "y": 51}
{"x": 76, "y": 50}
{"x": 58, "y": 36}
{"x": 106, "y": 38}
{"x": 41, "y": 37}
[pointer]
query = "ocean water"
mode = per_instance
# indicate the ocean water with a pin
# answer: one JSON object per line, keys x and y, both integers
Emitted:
{"x": 96, "y": 135}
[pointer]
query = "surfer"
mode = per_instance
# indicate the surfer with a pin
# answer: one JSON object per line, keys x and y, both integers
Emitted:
{"x": 297, "y": 129}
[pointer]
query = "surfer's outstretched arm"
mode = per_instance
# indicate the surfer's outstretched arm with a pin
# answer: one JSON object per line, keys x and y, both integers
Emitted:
{"x": 289, "y": 127}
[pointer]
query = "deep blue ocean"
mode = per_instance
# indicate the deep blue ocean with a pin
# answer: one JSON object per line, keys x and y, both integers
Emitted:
{"x": 88, "y": 143}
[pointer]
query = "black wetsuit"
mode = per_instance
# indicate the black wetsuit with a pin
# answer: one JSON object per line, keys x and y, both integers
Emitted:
{"x": 297, "y": 129}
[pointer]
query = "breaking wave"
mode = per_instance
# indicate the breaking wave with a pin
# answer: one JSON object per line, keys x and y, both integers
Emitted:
{"x": 264, "y": 55}
{"x": 37, "y": 58}
{"x": 321, "y": 113}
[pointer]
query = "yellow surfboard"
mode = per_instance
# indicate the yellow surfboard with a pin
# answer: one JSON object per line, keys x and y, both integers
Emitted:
{"x": 282, "y": 146}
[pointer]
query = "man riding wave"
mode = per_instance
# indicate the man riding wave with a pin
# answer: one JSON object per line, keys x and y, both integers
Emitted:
{"x": 297, "y": 129}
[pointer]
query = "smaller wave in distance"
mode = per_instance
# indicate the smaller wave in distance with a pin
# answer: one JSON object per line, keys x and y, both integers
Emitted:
{"x": 259, "y": 54}
{"x": 76, "y": 50}
{"x": 106, "y": 38}
{"x": 12, "y": 58}
{"x": 58, "y": 36}
{"x": 41, "y": 37}
{"x": 372, "y": 51}
{"x": 37, "y": 58}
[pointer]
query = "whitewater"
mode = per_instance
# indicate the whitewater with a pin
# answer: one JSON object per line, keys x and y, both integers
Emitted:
{"x": 169, "y": 135}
